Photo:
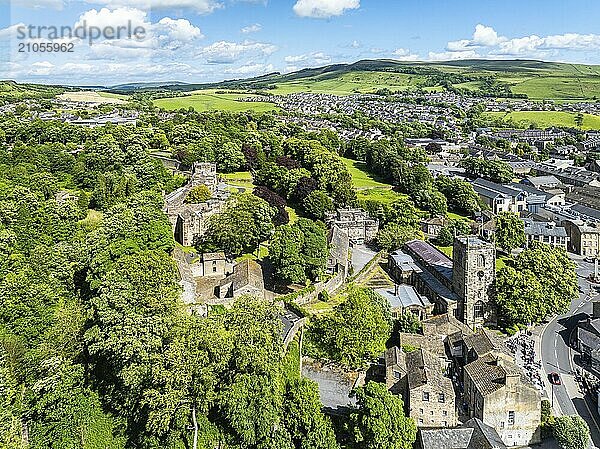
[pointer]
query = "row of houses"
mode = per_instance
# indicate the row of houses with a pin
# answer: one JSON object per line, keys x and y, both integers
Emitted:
{"x": 451, "y": 371}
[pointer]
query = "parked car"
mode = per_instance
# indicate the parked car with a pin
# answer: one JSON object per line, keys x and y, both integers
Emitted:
{"x": 554, "y": 378}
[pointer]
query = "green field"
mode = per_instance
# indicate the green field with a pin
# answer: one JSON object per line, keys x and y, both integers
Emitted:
{"x": 111, "y": 95}
{"x": 545, "y": 119}
{"x": 210, "y": 100}
{"x": 348, "y": 83}
{"x": 361, "y": 178}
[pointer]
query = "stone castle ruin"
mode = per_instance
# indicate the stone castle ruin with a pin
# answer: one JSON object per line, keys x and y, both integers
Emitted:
{"x": 189, "y": 221}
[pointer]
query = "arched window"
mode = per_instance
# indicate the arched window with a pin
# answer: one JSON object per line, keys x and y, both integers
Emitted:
{"x": 478, "y": 309}
{"x": 481, "y": 261}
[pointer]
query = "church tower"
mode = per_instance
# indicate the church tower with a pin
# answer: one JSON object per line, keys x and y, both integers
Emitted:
{"x": 473, "y": 278}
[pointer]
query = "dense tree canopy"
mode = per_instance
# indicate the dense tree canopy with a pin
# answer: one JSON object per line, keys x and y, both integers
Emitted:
{"x": 356, "y": 332}
{"x": 299, "y": 251}
{"x": 246, "y": 222}
{"x": 540, "y": 281}
{"x": 510, "y": 231}
{"x": 379, "y": 421}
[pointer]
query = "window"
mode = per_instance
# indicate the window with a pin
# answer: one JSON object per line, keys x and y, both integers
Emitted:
{"x": 441, "y": 397}
{"x": 502, "y": 424}
{"x": 425, "y": 396}
{"x": 431, "y": 412}
{"x": 420, "y": 420}
{"x": 214, "y": 269}
{"x": 478, "y": 309}
{"x": 397, "y": 375}
{"x": 421, "y": 411}
{"x": 481, "y": 261}
{"x": 445, "y": 413}
{"x": 444, "y": 423}
{"x": 511, "y": 418}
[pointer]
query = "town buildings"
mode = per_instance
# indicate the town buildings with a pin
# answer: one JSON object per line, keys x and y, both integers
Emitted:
{"x": 497, "y": 394}
{"x": 545, "y": 232}
{"x": 584, "y": 238}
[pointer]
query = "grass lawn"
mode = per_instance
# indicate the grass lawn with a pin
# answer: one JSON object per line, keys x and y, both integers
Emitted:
{"x": 381, "y": 195}
{"x": 242, "y": 179}
{"x": 210, "y": 100}
{"x": 318, "y": 307}
{"x": 361, "y": 178}
{"x": 455, "y": 216}
{"x": 447, "y": 250}
{"x": 263, "y": 252}
{"x": 546, "y": 119}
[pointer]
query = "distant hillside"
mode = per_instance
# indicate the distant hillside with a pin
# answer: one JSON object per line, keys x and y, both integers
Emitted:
{"x": 11, "y": 91}
{"x": 534, "y": 79}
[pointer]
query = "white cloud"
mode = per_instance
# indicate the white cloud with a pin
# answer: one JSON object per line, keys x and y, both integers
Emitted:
{"x": 11, "y": 31}
{"x": 177, "y": 29}
{"x": 199, "y": 6}
{"x": 113, "y": 18}
{"x": 453, "y": 55}
{"x": 252, "y": 28}
{"x": 489, "y": 43}
{"x": 402, "y": 54}
{"x": 486, "y": 36}
{"x": 160, "y": 38}
{"x": 324, "y": 9}
{"x": 315, "y": 58}
{"x": 224, "y": 52}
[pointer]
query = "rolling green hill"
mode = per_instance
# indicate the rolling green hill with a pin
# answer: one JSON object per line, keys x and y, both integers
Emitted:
{"x": 534, "y": 79}
{"x": 11, "y": 91}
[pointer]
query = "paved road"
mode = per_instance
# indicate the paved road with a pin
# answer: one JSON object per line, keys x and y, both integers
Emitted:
{"x": 557, "y": 356}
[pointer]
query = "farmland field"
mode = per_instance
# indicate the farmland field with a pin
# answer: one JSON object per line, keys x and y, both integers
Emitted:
{"x": 93, "y": 97}
{"x": 546, "y": 119}
{"x": 210, "y": 100}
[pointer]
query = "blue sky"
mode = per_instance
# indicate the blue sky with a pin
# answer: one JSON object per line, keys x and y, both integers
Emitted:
{"x": 212, "y": 40}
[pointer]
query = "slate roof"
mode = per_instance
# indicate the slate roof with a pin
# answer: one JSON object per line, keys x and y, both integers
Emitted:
{"x": 492, "y": 190}
{"x": 540, "y": 181}
{"x": 586, "y": 211}
{"x": 404, "y": 261}
{"x": 431, "y": 344}
{"x": 545, "y": 229}
{"x": 424, "y": 368}
{"x": 474, "y": 434}
{"x": 431, "y": 256}
{"x": 407, "y": 296}
{"x": 445, "y": 325}
{"x": 246, "y": 273}
{"x": 446, "y": 438}
{"x": 489, "y": 373}
{"x": 484, "y": 341}
{"x": 339, "y": 242}
{"x": 213, "y": 256}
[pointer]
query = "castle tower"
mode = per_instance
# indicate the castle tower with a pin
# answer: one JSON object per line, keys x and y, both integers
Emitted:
{"x": 473, "y": 278}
